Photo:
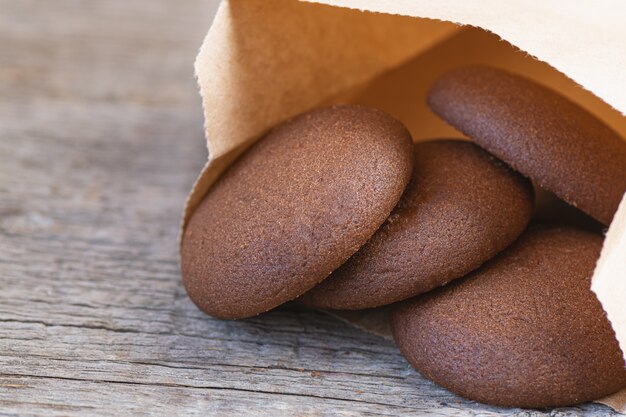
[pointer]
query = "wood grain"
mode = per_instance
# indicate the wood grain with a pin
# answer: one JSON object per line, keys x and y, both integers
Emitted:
{"x": 100, "y": 140}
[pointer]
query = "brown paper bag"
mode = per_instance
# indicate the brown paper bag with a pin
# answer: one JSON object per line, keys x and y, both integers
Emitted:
{"x": 264, "y": 61}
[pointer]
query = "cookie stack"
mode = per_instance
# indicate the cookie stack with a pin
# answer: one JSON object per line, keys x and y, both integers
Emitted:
{"x": 338, "y": 209}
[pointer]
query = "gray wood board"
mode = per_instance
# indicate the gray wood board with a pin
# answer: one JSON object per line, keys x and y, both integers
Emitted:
{"x": 100, "y": 141}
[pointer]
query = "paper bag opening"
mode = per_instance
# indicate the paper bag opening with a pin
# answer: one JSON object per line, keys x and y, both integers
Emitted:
{"x": 264, "y": 61}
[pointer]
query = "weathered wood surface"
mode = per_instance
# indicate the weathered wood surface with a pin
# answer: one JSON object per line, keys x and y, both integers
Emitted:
{"x": 100, "y": 140}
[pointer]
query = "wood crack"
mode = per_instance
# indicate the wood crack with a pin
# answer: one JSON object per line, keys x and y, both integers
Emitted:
{"x": 207, "y": 387}
{"x": 190, "y": 335}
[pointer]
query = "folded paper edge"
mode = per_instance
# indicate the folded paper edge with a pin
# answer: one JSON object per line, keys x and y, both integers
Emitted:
{"x": 603, "y": 75}
{"x": 609, "y": 279}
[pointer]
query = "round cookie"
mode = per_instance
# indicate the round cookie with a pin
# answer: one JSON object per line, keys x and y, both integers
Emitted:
{"x": 293, "y": 208}
{"x": 524, "y": 330}
{"x": 540, "y": 133}
{"x": 461, "y": 208}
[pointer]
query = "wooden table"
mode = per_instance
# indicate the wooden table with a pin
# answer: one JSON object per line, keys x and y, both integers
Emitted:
{"x": 100, "y": 141}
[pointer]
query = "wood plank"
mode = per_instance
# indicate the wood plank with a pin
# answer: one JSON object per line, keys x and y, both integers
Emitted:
{"x": 100, "y": 140}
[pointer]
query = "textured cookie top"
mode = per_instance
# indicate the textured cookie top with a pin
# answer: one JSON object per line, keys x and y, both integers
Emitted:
{"x": 540, "y": 133}
{"x": 293, "y": 208}
{"x": 461, "y": 208}
{"x": 524, "y": 330}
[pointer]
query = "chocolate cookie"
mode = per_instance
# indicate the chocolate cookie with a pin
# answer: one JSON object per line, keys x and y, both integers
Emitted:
{"x": 461, "y": 208}
{"x": 540, "y": 133}
{"x": 293, "y": 208}
{"x": 524, "y": 330}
